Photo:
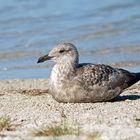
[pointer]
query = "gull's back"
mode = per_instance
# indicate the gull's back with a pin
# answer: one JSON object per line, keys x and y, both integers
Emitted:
{"x": 102, "y": 82}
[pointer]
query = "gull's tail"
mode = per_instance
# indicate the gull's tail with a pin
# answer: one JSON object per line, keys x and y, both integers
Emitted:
{"x": 133, "y": 78}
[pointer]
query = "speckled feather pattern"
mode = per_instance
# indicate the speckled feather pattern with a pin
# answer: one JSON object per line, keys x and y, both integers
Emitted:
{"x": 89, "y": 83}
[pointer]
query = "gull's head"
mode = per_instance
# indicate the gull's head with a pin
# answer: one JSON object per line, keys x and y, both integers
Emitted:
{"x": 62, "y": 53}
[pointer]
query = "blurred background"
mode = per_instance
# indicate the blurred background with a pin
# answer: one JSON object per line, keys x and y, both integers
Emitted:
{"x": 106, "y": 31}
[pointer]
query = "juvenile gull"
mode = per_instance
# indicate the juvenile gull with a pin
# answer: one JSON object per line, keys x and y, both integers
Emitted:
{"x": 74, "y": 82}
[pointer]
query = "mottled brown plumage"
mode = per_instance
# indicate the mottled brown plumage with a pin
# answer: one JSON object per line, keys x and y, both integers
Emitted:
{"x": 74, "y": 82}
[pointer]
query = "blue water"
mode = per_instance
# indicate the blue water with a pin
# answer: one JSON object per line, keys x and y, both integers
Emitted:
{"x": 106, "y": 31}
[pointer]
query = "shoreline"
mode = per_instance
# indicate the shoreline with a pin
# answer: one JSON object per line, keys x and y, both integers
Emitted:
{"x": 117, "y": 119}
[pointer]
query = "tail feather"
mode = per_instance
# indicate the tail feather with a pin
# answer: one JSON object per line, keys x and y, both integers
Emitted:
{"x": 133, "y": 78}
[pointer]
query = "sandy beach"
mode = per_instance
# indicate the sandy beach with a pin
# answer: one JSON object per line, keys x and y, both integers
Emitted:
{"x": 30, "y": 112}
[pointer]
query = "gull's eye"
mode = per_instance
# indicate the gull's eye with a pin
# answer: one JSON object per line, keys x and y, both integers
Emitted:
{"x": 61, "y": 51}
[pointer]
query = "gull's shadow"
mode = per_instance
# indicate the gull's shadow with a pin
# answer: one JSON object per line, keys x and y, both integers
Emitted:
{"x": 126, "y": 97}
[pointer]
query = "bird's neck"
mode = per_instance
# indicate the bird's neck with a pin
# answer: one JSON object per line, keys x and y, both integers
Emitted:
{"x": 62, "y": 72}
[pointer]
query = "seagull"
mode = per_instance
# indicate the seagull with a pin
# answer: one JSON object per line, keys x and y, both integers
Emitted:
{"x": 71, "y": 82}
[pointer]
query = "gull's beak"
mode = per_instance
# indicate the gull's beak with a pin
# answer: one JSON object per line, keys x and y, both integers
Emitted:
{"x": 44, "y": 58}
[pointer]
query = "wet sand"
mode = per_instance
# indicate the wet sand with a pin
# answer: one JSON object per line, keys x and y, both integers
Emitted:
{"x": 118, "y": 119}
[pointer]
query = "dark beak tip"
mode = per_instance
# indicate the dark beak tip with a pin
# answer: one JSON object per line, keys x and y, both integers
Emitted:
{"x": 38, "y": 61}
{"x": 43, "y": 58}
